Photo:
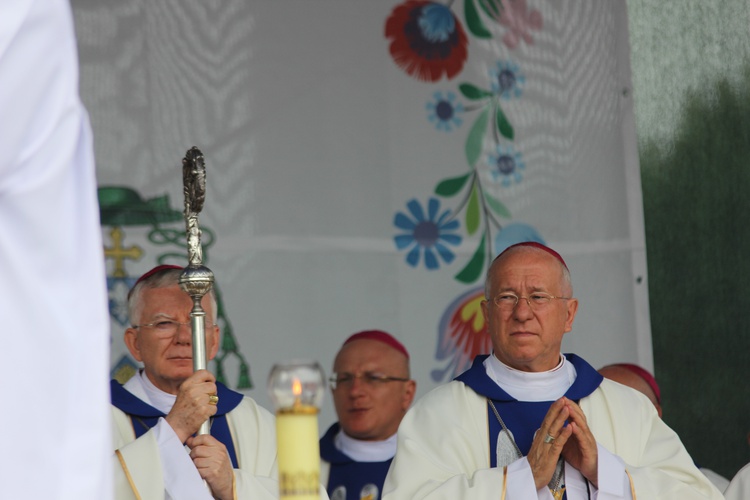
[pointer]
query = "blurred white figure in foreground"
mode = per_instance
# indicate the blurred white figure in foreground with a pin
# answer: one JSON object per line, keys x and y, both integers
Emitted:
{"x": 55, "y": 423}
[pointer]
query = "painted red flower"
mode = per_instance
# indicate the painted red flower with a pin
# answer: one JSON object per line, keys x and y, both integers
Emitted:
{"x": 462, "y": 335}
{"x": 427, "y": 40}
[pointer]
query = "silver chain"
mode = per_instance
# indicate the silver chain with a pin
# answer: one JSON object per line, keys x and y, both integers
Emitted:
{"x": 557, "y": 477}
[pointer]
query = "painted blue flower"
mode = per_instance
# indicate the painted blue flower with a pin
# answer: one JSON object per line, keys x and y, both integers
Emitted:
{"x": 443, "y": 111}
{"x": 506, "y": 80}
{"x": 516, "y": 232}
{"x": 505, "y": 165}
{"x": 426, "y": 234}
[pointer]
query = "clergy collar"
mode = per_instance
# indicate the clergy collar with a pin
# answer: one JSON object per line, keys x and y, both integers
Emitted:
{"x": 365, "y": 451}
{"x": 531, "y": 386}
{"x": 586, "y": 381}
{"x": 134, "y": 400}
{"x": 141, "y": 386}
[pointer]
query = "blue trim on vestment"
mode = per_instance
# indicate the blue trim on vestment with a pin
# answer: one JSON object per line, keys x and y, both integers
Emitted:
{"x": 349, "y": 474}
{"x": 144, "y": 416}
{"x": 328, "y": 450}
{"x": 523, "y": 418}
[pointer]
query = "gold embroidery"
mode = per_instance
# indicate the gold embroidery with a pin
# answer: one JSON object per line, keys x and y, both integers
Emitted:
{"x": 558, "y": 493}
{"x": 127, "y": 474}
{"x": 505, "y": 482}
{"x": 632, "y": 486}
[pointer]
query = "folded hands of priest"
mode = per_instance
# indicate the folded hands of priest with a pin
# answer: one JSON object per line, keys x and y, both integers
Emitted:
{"x": 565, "y": 434}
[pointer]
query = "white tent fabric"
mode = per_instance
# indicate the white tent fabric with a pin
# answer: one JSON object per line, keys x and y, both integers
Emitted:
{"x": 334, "y": 172}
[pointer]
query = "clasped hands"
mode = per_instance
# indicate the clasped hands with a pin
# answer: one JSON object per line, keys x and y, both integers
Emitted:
{"x": 574, "y": 442}
{"x": 192, "y": 407}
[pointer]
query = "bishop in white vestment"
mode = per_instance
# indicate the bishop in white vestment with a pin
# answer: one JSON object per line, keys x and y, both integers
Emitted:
{"x": 157, "y": 413}
{"x": 528, "y": 422}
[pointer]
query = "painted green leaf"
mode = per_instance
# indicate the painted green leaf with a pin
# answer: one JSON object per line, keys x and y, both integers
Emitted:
{"x": 471, "y": 91}
{"x": 471, "y": 272}
{"x": 476, "y": 138}
{"x": 473, "y": 21}
{"x": 492, "y": 8}
{"x": 497, "y": 206}
{"x": 472, "y": 212}
{"x": 451, "y": 186}
{"x": 503, "y": 125}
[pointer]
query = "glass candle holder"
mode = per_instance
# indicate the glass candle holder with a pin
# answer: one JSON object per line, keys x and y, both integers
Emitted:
{"x": 297, "y": 388}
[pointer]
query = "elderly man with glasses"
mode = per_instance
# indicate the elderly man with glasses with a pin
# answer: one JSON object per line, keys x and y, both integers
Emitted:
{"x": 530, "y": 422}
{"x": 158, "y": 411}
{"x": 371, "y": 392}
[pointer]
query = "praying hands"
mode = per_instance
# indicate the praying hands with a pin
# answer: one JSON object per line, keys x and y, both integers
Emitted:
{"x": 574, "y": 442}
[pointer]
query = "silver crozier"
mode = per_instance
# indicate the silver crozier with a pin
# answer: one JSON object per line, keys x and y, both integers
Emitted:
{"x": 196, "y": 280}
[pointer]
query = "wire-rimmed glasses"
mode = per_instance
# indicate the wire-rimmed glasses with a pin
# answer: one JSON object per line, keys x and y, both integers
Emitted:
{"x": 507, "y": 301}
{"x": 370, "y": 379}
{"x": 167, "y": 328}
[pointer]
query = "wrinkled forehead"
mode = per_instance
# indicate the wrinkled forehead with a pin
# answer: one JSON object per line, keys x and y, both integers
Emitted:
{"x": 170, "y": 300}
{"x": 526, "y": 267}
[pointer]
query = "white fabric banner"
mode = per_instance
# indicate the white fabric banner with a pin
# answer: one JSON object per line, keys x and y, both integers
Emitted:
{"x": 366, "y": 160}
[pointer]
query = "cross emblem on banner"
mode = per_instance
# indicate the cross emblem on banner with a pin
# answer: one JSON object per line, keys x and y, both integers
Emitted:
{"x": 119, "y": 253}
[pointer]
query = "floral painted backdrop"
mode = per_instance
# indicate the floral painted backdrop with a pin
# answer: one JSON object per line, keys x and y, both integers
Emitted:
{"x": 428, "y": 41}
{"x": 366, "y": 161}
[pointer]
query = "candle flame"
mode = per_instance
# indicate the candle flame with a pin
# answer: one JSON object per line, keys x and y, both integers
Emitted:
{"x": 296, "y": 388}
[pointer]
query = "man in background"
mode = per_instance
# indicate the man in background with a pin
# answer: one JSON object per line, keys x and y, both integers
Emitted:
{"x": 372, "y": 390}
{"x": 642, "y": 381}
{"x": 55, "y": 422}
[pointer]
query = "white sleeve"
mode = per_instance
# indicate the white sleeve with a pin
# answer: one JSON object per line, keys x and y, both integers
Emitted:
{"x": 181, "y": 478}
{"x": 739, "y": 487}
{"x": 520, "y": 482}
{"x": 614, "y": 483}
{"x": 613, "y": 480}
{"x": 156, "y": 465}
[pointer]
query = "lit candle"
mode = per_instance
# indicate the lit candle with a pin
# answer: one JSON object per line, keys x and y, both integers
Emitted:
{"x": 297, "y": 390}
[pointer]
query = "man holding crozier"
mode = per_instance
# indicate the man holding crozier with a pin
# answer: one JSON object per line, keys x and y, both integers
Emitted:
{"x": 157, "y": 413}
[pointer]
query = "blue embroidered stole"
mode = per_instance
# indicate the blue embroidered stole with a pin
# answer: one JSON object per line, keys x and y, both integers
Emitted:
{"x": 144, "y": 416}
{"x": 523, "y": 418}
{"x": 348, "y": 477}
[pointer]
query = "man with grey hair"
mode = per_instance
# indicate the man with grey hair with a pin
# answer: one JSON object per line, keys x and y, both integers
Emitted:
{"x": 531, "y": 422}
{"x": 158, "y": 411}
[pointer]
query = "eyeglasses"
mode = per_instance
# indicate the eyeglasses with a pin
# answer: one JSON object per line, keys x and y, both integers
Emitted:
{"x": 167, "y": 328}
{"x": 507, "y": 301}
{"x": 370, "y": 379}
